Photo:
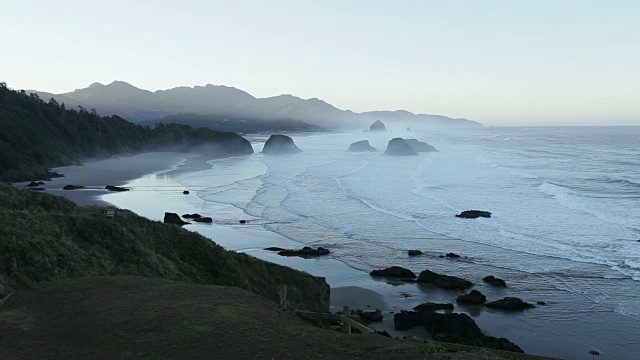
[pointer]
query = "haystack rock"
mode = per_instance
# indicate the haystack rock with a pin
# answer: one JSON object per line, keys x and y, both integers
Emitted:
{"x": 361, "y": 146}
{"x": 280, "y": 144}
{"x": 378, "y": 126}
{"x": 399, "y": 147}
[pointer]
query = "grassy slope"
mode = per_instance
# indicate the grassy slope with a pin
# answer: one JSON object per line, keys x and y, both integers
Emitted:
{"x": 53, "y": 238}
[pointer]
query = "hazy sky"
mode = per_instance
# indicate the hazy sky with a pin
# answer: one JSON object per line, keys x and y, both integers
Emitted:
{"x": 499, "y": 62}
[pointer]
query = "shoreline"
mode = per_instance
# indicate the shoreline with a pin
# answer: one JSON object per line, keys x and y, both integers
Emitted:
{"x": 349, "y": 286}
{"x": 95, "y": 174}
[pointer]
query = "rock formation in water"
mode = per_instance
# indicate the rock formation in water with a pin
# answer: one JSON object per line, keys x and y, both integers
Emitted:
{"x": 494, "y": 281}
{"x": 399, "y": 147}
{"x": 472, "y": 214}
{"x": 510, "y": 303}
{"x": 443, "y": 281}
{"x": 378, "y": 126}
{"x": 475, "y": 297}
{"x": 280, "y": 144}
{"x": 306, "y": 252}
{"x": 394, "y": 272}
{"x": 361, "y": 146}
{"x": 173, "y": 218}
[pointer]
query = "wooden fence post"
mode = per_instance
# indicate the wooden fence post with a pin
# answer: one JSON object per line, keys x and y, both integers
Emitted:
{"x": 346, "y": 311}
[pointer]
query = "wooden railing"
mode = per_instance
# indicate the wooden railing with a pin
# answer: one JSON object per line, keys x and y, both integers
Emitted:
{"x": 348, "y": 320}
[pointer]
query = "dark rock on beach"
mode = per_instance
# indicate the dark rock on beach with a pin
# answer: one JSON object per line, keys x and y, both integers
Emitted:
{"x": 394, "y": 272}
{"x": 273, "y": 248}
{"x": 420, "y": 146}
{"x": 306, "y": 252}
{"x": 204, "y": 219}
{"x": 510, "y": 303}
{"x": 461, "y": 329}
{"x": 414, "y": 252}
{"x": 433, "y": 307}
{"x": 280, "y": 144}
{"x": 494, "y": 281}
{"x": 378, "y": 126}
{"x": 243, "y": 221}
{"x": 475, "y": 297}
{"x": 73, "y": 187}
{"x": 405, "y": 320}
{"x": 173, "y": 218}
{"x": 399, "y": 147}
{"x": 452, "y": 328}
{"x": 443, "y": 281}
{"x": 115, "y": 188}
{"x": 192, "y": 216}
{"x": 185, "y": 192}
{"x": 361, "y": 146}
{"x": 473, "y": 214}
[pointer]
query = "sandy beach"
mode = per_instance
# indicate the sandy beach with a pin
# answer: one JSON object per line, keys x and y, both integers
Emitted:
{"x": 96, "y": 174}
{"x": 154, "y": 191}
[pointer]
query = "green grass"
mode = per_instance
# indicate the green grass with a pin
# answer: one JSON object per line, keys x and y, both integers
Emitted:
{"x": 53, "y": 238}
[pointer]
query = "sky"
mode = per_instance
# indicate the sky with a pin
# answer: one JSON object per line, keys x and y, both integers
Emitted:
{"x": 508, "y": 62}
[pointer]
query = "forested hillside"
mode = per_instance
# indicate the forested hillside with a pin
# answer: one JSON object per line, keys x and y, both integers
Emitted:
{"x": 222, "y": 123}
{"x": 36, "y": 134}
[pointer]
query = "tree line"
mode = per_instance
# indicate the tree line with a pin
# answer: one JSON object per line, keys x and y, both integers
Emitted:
{"x": 36, "y": 134}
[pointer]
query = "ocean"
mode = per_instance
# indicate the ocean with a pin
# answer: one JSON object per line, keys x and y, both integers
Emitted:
{"x": 565, "y": 225}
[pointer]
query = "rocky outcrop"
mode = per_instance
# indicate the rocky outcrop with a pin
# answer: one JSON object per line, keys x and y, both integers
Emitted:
{"x": 420, "y": 146}
{"x": 378, "y": 126}
{"x": 394, "y": 272}
{"x": 475, "y": 297}
{"x": 472, "y": 214}
{"x": 428, "y": 306}
{"x": 73, "y": 187}
{"x": 203, "y": 219}
{"x": 452, "y": 255}
{"x": 443, "y": 281}
{"x": 115, "y": 188}
{"x": 399, "y": 147}
{"x": 173, "y": 218}
{"x": 461, "y": 329}
{"x": 359, "y": 146}
{"x": 306, "y": 252}
{"x": 414, "y": 252}
{"x": 510, "y": 303}
{"x": 186, "y": 192}
{"x": 494, "y": 281}
{"x": 192, "y": 216}
{"x": 280, "y": 144}
{"x": 35, "y": 183}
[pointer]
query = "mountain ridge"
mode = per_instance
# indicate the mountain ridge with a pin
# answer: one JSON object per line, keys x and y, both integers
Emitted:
{"x": 139, "y": 105}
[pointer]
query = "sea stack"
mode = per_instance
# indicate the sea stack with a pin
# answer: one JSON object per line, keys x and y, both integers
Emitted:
{"x": 378, "y": 126}
{"x": 399, "y": 147}
{"x": 361, "y": 146}
{"x": 280, "y": 144}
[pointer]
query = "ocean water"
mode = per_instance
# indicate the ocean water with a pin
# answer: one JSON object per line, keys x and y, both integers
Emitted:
{"x": 565, "y": 225}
